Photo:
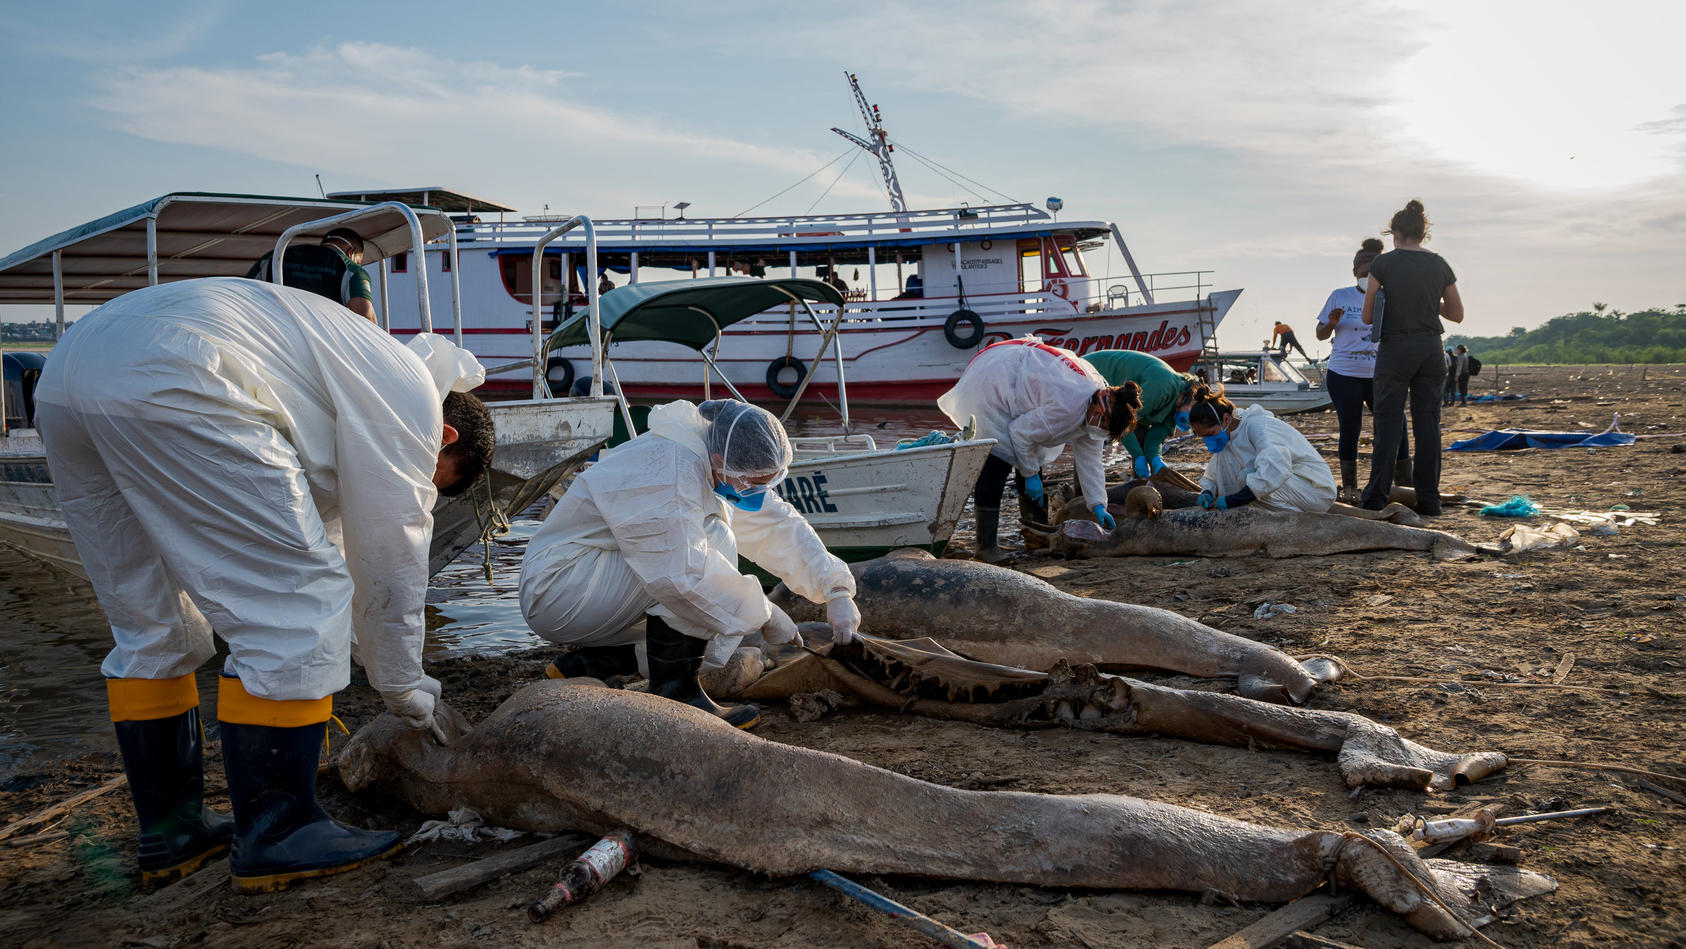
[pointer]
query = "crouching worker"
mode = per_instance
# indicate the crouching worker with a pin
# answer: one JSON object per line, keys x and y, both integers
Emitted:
{"x": 1257, "y": 459}
{"x": 653, "y": 532}
{"x": 257, "y": 461}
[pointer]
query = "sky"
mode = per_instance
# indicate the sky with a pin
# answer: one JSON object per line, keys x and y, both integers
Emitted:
{"x": 1261, "y": 141}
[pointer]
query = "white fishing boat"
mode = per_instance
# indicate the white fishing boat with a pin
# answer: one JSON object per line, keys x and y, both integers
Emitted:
{"x": 863, "y": 499}
{"x": 922, "y": 290}
{"x": 1263, "y": 377}
{"x": 185, "y": 235}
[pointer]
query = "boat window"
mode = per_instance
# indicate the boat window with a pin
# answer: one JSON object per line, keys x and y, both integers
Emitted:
{"x": 1073, "y": 260}
{"x": 444, "y": 261}
{"x": 516, "y": 270}
{"x": 401, "y": 262}
{"x": 1273, "y": 371}
{"x": 1030, "y": 265}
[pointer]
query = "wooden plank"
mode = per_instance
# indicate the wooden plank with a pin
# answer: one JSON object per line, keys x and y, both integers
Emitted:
{"x": 1308, "y": 911}
{"x": 1277, "y": 926}
{"x": 1311, "y": 941}
{"x": 437, "y": 886}
{"x": 189, "y": 890}
{"x": 59, "y": 808}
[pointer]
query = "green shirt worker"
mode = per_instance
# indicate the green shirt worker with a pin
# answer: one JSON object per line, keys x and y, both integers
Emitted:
{"x": 1167, "y": 395}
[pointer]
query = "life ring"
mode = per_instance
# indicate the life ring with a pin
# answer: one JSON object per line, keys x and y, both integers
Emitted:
{"x": 1058, "y": 287}
{"x": 778, "y": 366}
{"x": 951, "y": 329}
{"x": 559, "y": 376}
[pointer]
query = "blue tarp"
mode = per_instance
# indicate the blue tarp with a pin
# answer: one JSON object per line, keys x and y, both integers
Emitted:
{"x": 1511, "y": 439}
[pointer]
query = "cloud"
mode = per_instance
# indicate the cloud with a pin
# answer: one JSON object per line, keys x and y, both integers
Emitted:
{"x": 372, "y": 111}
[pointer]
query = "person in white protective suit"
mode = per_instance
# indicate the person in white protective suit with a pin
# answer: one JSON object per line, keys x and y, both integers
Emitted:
{"x": 653, "y": 531}
{"x": 257, "y": 461}
{"x": 1257, "y": 459}
{"x": 1034, "y": 399}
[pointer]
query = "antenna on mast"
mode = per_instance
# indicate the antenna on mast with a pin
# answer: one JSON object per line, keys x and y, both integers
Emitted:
{"x": 879, "y": 145}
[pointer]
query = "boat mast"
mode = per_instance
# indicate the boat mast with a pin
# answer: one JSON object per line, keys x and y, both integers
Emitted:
{"x": 879, "y": 145}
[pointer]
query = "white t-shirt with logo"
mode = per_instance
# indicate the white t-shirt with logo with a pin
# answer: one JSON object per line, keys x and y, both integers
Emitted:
{"x": 1351, "y": 352}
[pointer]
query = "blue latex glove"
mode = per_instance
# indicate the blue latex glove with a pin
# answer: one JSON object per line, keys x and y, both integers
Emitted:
{"x": 1105, "y": 518}
{"x": 1221, "y": 504}
{"x": 1156, "y": 464}
{"x": 1033, "y": 489}
{"x": 1206, "y": 500}
{"x": 1143, "y": 468}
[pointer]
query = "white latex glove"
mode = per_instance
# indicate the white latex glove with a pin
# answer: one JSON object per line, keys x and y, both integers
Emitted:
{"x": 844, "y": 617}
{"x": 431, "y": 686}
{"x": 779, "y": 628}
{"x": 416, "y": 708}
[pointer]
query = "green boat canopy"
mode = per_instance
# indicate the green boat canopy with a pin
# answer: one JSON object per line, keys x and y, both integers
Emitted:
{"x": 677, "y": 311}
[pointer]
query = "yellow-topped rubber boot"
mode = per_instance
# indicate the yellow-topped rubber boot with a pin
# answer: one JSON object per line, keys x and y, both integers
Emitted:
{"x": 281, "y": 835}
{"x": 158, "y": 733}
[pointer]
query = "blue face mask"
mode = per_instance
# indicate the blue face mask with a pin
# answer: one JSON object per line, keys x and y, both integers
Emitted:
{"x": 1180, "y": 420}
{"x": 742, "y": 500}
{"x": 1216, "y": 443}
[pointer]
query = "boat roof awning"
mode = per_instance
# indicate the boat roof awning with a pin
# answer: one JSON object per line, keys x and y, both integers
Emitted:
{"x": 453, "y": 202}
{"x": 669, "y": 310}
{"x": 199, "y": 235}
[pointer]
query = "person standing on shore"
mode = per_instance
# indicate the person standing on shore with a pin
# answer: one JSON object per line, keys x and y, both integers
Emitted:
{"x": 1451, "y": 377}
{"x": 1352, "y": 369}
{"x": 1463, "y": 375}
{"x": 1421, "y": 291}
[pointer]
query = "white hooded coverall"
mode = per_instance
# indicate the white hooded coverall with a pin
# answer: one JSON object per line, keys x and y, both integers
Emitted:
{"x": 1272, "y": 458}
{"x": 257, "y": 460}
{"x": 642, "y": 531}
{"x": 1032, "y": 399}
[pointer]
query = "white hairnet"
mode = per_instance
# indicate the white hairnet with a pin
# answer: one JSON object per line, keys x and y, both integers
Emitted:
{"x": 749, "y": 440}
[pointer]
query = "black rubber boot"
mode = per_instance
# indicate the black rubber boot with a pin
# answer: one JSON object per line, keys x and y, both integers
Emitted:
{"x": 597, "y": 662}
{"x": 674, "y": 661}
{"x": 1349, "y": 481}
{"x": 163, "y": 759}
{"x": 989, "y": 527}
{"x": 280, "y": 834}
{"x": 1402, "y": 471}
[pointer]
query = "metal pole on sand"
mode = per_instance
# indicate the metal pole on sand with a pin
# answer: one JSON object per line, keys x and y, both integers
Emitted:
{"x": 952, "y": 938}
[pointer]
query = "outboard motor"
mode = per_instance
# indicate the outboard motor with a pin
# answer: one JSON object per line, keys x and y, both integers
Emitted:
{"x": 22, "y": 371}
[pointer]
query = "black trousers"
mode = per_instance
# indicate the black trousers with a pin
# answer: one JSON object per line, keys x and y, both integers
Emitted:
{"x": 992, "y": 483}
{"x": 1351, "y": 396}
{"x": 1409, "y": 370}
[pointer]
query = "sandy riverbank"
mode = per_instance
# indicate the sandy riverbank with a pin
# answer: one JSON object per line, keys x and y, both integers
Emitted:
{"x": 1614, "y": 605}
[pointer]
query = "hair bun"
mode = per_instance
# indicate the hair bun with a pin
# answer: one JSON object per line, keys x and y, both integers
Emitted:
{"x": 1414, "y": 205}
{"x": 1371, "y": 245}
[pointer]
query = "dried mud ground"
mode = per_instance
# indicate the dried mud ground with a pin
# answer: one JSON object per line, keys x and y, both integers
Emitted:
{"x": 1608, "y": 612}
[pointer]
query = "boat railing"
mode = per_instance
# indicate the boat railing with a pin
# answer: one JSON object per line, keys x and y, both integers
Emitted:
{"x": 325, "y": 224}
{"x": 819, "y": 228}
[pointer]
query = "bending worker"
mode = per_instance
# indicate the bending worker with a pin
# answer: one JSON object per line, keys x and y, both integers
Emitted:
{"x": 653, "y": 532}
{"x": 1167, "y": 395}
{"x": 1034, "y": 399}
{"x": 255, "y": 460}
{"x": 1257, "y": 459}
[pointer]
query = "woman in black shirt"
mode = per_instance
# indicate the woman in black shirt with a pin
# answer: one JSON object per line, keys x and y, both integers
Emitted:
{"x": 1421, "y": 291}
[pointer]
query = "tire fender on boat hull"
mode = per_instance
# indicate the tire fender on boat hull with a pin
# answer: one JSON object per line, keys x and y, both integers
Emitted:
{"x": 778, "y": 366}
{"x": 559, "y": 384}
{"x": 953, "y": 333}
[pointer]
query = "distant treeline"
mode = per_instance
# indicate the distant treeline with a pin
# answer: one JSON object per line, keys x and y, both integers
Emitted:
{"x": 1599, "y": 335}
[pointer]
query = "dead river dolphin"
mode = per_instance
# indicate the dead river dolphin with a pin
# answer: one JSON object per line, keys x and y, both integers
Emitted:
{"x": 922, "y": 678}
{"x": 567, "y": 755}
{"x": 1245, "y": 531}
{"x": 999, "y": 615}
